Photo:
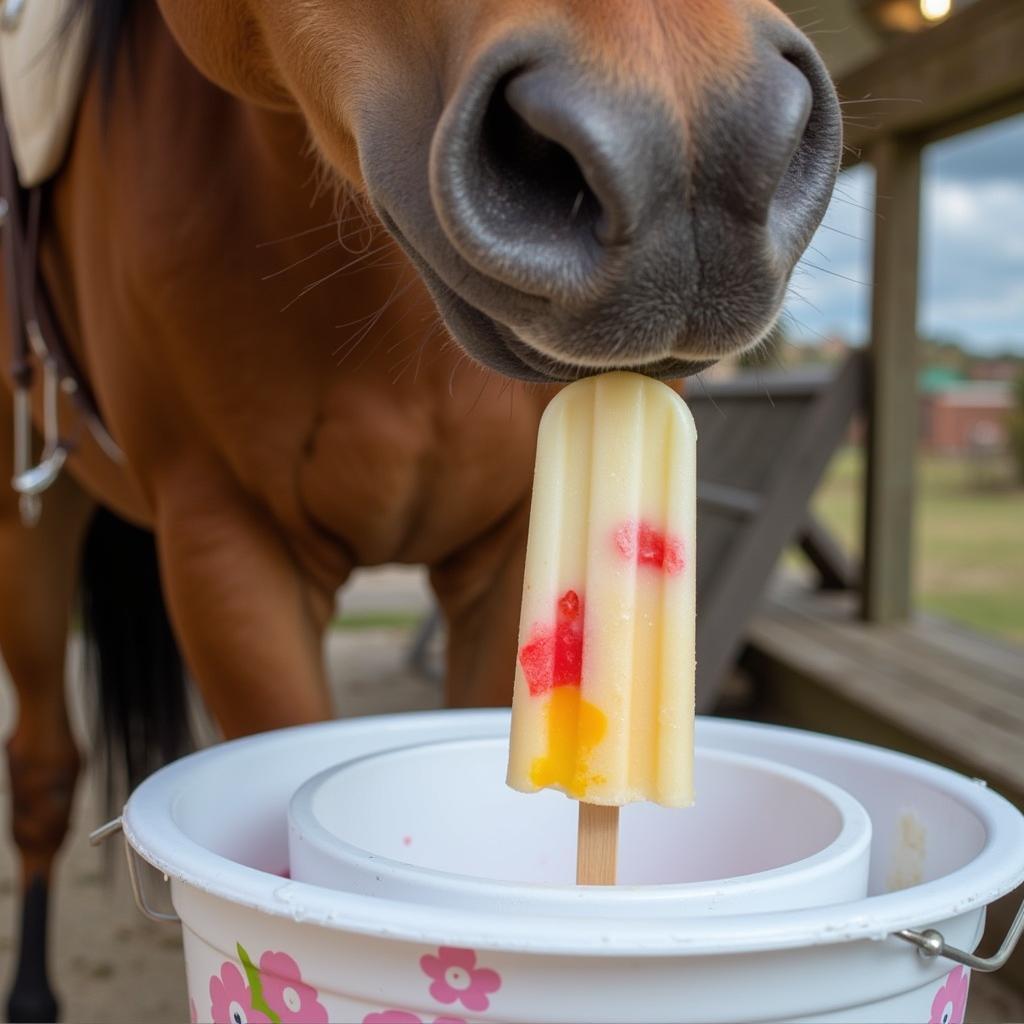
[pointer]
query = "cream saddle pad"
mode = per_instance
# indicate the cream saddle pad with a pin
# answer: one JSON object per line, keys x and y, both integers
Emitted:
{"x": 42, "y": 62}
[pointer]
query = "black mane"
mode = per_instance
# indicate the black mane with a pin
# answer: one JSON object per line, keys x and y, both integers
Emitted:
{"x": 106, "y": 19}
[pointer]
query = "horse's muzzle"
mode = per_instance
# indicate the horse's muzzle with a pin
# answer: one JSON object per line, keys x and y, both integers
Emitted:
{"x": 579, "y": 224}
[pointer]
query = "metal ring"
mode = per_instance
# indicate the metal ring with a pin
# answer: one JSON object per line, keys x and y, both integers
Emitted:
{"x": 34, "y": 480}
{"x": 42, "y": 476}
{"x": 930, "y": 944}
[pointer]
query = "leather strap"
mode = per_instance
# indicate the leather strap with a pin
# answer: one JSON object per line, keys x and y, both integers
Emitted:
{"x": 33, "y": 323}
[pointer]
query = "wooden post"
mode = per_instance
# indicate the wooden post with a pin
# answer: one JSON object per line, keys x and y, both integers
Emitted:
{"x": 893, "y": 416}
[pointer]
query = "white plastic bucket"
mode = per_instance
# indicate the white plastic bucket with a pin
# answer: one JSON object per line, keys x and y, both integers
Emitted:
{"x": 216, "y": 824}
{"x": 435, "y": 823}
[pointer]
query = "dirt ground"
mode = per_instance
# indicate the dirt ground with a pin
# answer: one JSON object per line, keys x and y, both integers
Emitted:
{"x": 110, "y": 964}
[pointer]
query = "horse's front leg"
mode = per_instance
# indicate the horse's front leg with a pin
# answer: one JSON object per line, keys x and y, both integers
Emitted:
{"x": 249, "y": 620}
{"x": 38, "y": 574}
{"x": 480, "y": 591}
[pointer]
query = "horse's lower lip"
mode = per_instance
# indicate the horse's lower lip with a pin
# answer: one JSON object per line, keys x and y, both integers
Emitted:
{"x": 552, "y": 367}
{"x": 500, "y": 348}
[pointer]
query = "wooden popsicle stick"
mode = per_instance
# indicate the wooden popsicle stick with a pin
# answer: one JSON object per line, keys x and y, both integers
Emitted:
{"x": 597, "y": 844}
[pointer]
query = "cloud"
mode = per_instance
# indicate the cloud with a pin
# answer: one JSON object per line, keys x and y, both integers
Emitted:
{"x": 972, "y": 247}
{"x": 829, "y": 293}
{"x": 972, "y": 271}
{"x": 992, "y": 153}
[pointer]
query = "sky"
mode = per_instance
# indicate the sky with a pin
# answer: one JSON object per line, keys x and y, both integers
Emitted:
{"x": 971, "y": 288}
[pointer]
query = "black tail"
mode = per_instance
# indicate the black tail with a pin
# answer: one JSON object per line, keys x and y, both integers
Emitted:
{"x": 131, "y": 654}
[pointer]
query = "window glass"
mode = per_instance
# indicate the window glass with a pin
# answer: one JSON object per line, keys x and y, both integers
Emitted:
{"x": 827, "y": 312}
{"x": 970, "y": 507}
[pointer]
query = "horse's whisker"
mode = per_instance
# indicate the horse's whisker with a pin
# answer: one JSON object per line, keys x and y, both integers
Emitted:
{"x": 839, "y": 231}
{"x": 834, "y": 273}
{"x": 882, "y": 99}
{"x": 298, "y": 234}
{"x": 333, "y": 273}
{"x": 372, "y": 320}
{"x": 291, "y": 266}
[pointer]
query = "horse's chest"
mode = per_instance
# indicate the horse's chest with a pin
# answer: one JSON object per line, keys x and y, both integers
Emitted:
{"x": 415, "y": 480}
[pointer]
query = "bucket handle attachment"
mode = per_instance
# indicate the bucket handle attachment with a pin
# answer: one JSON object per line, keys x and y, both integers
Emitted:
{"x": 103, "y": 833}
{"x": 930, "y": 943}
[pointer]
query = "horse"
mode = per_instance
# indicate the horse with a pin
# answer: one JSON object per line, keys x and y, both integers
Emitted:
{"x": 321, "y": 266}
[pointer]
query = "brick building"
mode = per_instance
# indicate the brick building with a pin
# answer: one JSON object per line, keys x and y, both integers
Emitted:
{"x": 969, "y": 415}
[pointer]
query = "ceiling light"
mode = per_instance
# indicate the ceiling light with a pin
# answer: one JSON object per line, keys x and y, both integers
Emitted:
{"x": 935, "y": 10}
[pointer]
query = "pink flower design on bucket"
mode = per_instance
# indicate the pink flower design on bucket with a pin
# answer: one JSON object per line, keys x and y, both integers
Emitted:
{"x": 232, "y": 999}
{"x": 950, "y": 1003}
{"x": 193, "y": 1013}
{"x": 292, "y": 999}
{"x": 457, "y": 978}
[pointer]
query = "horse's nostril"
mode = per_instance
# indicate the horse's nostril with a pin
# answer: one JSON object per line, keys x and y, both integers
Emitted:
{"x": 809, "y": 116}
{"x": 540, "y": 175}
{"x": 770, "y": 148}
{"x": 533, "y": 169}
{"x": 794, "y": 101}
{"x": 631, "y": 214}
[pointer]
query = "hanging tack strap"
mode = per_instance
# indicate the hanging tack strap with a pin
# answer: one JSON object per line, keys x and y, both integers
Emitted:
{"x": 35, "y": 333}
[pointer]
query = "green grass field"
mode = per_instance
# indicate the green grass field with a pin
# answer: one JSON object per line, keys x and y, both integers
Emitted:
{"x": 970, "y": 537}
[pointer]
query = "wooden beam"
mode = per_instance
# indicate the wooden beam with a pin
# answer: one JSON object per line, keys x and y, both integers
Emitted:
{"x": 975, "y": 119}
{"x": 892, "y": 390}
{"x": 969, "y": 68}
{"x": 835, "y": 569}
{"x": 740, "y": 503}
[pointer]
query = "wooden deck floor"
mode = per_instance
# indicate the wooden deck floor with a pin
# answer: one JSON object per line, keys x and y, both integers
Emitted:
{"x": 943, "y": 688}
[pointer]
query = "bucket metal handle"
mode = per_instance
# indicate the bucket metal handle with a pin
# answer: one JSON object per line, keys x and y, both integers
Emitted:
{"x": 930, "y": 943}
{"x": 103, "y": 833}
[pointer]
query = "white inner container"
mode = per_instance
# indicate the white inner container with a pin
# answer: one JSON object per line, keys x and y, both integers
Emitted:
{"x": 435, "y": 823}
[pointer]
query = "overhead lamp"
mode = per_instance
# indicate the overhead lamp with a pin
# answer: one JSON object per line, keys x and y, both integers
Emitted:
{"x": 901, "y": 16}
{"x": 935, "y": 10}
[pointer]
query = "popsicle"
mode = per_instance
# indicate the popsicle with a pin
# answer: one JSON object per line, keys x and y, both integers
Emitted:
{"x": 604, "y": 701}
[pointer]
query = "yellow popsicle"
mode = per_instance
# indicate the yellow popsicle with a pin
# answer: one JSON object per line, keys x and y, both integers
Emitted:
{"x": 603, "y": 704}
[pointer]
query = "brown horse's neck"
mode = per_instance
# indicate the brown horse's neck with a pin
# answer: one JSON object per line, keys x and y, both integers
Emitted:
{"x": 224, "y": 318}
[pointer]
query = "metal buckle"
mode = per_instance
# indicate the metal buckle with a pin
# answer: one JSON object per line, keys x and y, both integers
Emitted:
{"x": 32, "y": 480}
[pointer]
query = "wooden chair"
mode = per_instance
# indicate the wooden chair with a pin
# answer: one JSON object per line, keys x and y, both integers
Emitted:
{"x": 764, "y": 441}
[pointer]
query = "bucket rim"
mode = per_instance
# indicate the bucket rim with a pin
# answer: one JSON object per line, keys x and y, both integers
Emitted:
{"x": 150, "y": 828}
